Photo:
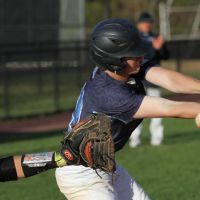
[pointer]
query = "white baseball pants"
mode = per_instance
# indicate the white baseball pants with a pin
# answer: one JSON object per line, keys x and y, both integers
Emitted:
{"x": 82, "y": 183}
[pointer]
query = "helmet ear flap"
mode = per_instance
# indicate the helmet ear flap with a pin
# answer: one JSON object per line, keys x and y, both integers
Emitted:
{"x": 115, "y": 68}
{"x": 106, "y": 62}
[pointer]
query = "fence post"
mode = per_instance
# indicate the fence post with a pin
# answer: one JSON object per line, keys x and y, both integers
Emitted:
{"x": 107, "y": 9}
{"x": 178, "y": 59}
{"x": 40, "y": 72}
{"x": 56, "y": 81}
{"x": 78, "y": 67}
{"x": 6, "y": 99}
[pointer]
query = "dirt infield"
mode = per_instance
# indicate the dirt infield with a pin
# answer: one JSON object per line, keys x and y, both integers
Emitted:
{"x": 185, "y": 97}
{"x": 37, "y": 124}
{"x": 59, "y": 121}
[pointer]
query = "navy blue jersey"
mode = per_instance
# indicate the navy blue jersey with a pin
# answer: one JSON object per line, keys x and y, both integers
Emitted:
{"x": 119, "y": 100}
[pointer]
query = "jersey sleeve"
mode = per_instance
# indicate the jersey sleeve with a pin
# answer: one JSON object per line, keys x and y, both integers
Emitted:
{"x": 145, "y": 66}
{"x": 122, "y": 105}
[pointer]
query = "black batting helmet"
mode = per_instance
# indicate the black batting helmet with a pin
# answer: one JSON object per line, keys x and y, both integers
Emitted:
{"x": 114, "y": 39}
{"x": 145, "y": 17}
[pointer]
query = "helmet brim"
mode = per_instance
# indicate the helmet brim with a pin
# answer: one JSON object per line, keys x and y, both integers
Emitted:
{"x": 142, "y": 49}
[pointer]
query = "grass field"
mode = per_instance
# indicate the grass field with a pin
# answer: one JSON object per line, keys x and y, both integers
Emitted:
{"x": 168, "y": 172}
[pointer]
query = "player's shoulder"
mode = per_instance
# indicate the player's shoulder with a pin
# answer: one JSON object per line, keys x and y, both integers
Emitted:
{"x": 100, "y": 80}
{"x": 105, "y": 90}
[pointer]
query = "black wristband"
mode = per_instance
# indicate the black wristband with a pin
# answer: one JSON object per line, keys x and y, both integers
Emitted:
{"x": 7, "y": 169}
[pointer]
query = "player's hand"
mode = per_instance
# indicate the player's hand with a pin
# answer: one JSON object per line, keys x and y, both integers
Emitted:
{"x": 158, "y": 42}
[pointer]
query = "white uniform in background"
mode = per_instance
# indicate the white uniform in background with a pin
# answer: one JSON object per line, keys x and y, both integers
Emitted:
{"x": 156, "y": 127}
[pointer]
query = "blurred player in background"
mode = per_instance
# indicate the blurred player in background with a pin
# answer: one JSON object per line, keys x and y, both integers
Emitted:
{"x": 160, "y": 52}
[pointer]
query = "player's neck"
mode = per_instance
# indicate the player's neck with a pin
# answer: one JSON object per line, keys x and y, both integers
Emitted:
{"x": 117, "y": 76}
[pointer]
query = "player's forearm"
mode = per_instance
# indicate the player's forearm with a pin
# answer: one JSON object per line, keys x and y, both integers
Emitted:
{"x": 173, "y": 81}
{"x": 187, "y": 110}
{"x": 154, "y": 107}
{"x": 22, "y": 166}
{"x": 184, "y": 84}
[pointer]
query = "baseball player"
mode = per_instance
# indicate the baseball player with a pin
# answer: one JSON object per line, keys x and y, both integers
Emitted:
{"x": 160, "y": 52}
{"x": 118, "y": 52}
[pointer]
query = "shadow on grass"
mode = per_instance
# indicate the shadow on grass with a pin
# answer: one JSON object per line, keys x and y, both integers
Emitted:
{"x": 172, "y": 139}
{"x": 182, "y": 137}
{"x": 13, "y": 137}
{"x": 176, "y": 138}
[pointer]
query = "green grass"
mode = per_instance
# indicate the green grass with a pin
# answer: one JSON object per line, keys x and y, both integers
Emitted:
{"x": 168, "y": 172}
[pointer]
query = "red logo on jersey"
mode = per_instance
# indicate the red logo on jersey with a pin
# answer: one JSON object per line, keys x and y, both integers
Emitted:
{"x": 68, "y": 155}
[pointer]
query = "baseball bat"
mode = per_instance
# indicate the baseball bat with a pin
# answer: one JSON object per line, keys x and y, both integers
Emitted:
{"x": 26, "y": 165}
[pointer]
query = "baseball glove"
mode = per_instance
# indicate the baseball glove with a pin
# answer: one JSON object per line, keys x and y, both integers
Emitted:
{"x": 90, "y": 144}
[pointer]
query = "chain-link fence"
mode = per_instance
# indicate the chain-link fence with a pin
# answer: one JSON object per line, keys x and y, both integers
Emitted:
{"x": 41, "y": 79}
{"x": 33, "y": 21}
